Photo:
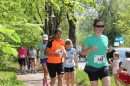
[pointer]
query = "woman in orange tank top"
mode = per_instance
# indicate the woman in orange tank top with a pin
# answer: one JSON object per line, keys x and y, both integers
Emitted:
{"x": 56, "y": 52}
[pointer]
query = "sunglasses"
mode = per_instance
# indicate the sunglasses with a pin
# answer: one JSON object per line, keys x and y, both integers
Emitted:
{"x": 99, "y": 26}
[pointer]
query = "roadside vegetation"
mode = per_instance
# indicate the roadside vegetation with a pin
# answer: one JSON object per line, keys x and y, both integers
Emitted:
{"x": 24, "y": 22}
{"x": 83, "y": 80}
{"x": 8, "y": 76}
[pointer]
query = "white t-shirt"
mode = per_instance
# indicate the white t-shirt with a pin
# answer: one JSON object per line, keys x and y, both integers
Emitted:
{"x": 115, "y": 68}
{"x": 32, "y": 52}
{"x": 69, "y": 60}
{"x": 126, "y": 64}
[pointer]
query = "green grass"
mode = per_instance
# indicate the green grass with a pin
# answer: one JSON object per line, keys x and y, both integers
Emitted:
{"x": 83, "y": 80}
{"x": 8, "y": 76}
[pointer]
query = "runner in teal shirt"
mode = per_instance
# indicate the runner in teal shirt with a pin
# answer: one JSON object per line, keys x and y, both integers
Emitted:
{"x": 94, "y": 56}
{"x": 95, "y": 47}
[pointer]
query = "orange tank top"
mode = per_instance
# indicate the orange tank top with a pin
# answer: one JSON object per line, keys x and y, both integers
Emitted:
{"x": 56, "y": 47}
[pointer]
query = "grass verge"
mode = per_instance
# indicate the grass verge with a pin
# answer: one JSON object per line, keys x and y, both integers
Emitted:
{"x": 83, "y": 80}
{"x": 8, "y": 76}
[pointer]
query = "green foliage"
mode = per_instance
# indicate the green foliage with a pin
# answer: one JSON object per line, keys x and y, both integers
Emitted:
{"x": 8, "y": 76}
{"x": 124, "y": 22}
{"x": 15, "y": 29}
{"x": 5, "y": 46}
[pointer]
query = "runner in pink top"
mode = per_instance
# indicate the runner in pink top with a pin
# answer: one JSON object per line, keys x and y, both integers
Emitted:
{"x": 22, "y": 54}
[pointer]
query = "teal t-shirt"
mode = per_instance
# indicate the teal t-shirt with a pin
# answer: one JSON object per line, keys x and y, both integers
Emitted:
{"x": 98, "y": 57}
{"x": 42, "y": 47}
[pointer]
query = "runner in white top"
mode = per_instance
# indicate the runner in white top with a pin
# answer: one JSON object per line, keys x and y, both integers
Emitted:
{"x": 115, "y": 65}
{"x": 125, "y": 64}
{"x": 69, "y": 63}
{"x": 33, "y": 55}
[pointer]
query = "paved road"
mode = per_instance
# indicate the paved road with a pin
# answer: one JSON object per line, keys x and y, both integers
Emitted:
{"x": 36, "y": 79}
{"x": 81, "y": 64}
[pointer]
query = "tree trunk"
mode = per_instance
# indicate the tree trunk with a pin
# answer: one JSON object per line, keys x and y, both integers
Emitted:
{"x": 72, "y": 29}
{"x": 46, "y": 29}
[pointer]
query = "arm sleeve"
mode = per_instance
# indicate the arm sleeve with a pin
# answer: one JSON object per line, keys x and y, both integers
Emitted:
{"x": 86, "y": 42}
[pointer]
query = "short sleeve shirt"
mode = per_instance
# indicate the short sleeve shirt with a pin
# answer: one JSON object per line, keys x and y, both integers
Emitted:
{"x": 126, "y": 64}
{"x": 97, "y": 58}
{"x": 32, "y": 52}
{"x": 42, "y": 47}
{"x": 115, "y": 68}
{"x": 69, "y": 60}
{"x": 22, "y": 53}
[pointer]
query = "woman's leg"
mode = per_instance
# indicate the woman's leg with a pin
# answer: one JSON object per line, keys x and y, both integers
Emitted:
{"x": 45, "y": 71}
{"x": 104, "y": 76}
{"x": 52, "y": 72}
{"x": 24, "y": 64}
{"x": 52, "y": 82}
{"x": 73, "y": 76}
{"x": 28, "y": 63}
{"x": 94, "y": 83}
{"x": 60, "y": 79}
{"x": 20, "y": 65}
{"x": 93, "y": 77}
{"x": 34, "y": 61}
{"x": 31, "y": 61}
{"x": 106, "y": 81}
{"x": 67, "y": 78}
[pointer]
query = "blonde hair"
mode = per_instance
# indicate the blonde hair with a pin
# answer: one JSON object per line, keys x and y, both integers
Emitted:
{"x": 117, "y": 54}
{"x": 68, "y": 41}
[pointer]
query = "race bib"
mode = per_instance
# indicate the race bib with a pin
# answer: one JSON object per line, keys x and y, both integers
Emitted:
{"x": 68, "y": 61}
{"x": 33, "y": 56}
{"x": 99, "y": 59}
{"x": 58, "y": 51}
{"x": 22, "y": 56}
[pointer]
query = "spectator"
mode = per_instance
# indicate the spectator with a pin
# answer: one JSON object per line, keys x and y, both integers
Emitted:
{"x": 121, "y": 74}
{"x": 115, "y": 65}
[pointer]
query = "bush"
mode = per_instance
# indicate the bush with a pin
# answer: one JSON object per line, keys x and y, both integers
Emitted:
{"x": 8, "y": 76}
{"x": 6, "y": 59}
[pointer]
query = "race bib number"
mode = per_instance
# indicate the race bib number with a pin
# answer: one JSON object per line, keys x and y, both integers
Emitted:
{"x": 22, "y": 56}
{"x": 99, "y": 59}
{"x": 68, "y": 61}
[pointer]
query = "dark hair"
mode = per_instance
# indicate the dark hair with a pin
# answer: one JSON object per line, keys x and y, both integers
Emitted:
{"x": 127, "y": 53}
{"x": 57, "y": 30}
{"x": 51, "y": 37}
{"x": 96, "y": 21}
{"x": 32, "y": 47}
